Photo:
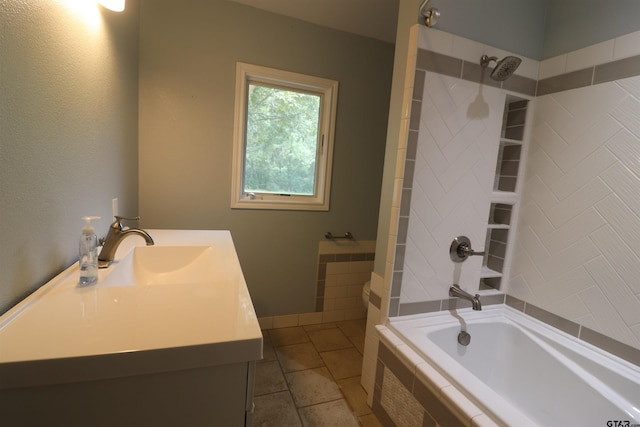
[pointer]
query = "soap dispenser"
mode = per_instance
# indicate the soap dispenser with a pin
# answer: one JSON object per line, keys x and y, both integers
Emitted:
{"x": 88, "y": 251}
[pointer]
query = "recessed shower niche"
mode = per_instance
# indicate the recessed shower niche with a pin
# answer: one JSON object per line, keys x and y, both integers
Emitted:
{"x": 504, "y": 194}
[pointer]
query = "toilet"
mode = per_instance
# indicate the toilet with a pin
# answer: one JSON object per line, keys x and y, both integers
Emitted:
{"x": 365, "y": 293}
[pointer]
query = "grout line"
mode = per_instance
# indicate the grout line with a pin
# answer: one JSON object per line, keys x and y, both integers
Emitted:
{"x": 343, "y": 397}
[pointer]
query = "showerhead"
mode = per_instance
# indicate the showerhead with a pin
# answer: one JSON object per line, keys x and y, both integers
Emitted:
{"x": 503, "y": 69}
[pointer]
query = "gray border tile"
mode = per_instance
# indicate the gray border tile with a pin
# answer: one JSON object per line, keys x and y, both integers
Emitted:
{"x": 419, "y": 307}
{"x": 515, "y": 303}
{"x": 375, "y": 299}
{"x": 554, "y": 320}
{"x": 616, "y": 70}
{"x": 624, "y": 351}
{"x": 573, "y": 80}
{"x": 439, "y": 63}
{"x": 521, "y": 84}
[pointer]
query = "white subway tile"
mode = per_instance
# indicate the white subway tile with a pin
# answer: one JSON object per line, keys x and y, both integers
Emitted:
{"x": 626, "y": 148}
{"x": 628, "y": 114}
{"x": 377, "y": 283}
{"x": 355, "y": 313}
{"x": 355, "y": 290}
{"x": 332, "y": 316}
{"x": 337, "y": 268}
{"x": 435, "y": 40}
{"x": 627, "y": 45}
{"x": 335, "y": 292}
{"x": 622, "y": 220}
{"x": 466, "y": 49}
{"x": 574, "y": 230}
{"x": 577, "y": 202}
{"x": 619, "y": 256}
{"x": 552, "y": 67}
{"x": 626, "y": 185}
{"x": 529, "y": 68}
{"x": 531, "y": 216}
{"x": 585, "y": 171}
{"x": 545, "y": 137}
{"x": 631, "y": 85}
{"x": 568, "y": 259}
{"x": 285, "y": 321}
{"x": 359, "y": 266}
{"x": 617, "y": 291}
{"x": 606, "y": 317}
{"x": 312, "y": 318}
{"x": 565, "y": 286}
{"x": 542, "y": 166}
{"x": 536, "y": 191}
{"x": 589, "y": 56}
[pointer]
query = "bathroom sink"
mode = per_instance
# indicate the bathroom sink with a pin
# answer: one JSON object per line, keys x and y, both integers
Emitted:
{"x": 163, "y": 265}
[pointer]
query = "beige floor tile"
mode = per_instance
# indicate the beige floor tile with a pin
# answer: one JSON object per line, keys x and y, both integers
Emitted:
{"x": 344, "y": 363}
{"x": 369, "y": 420}
{"x": 329, "y": 339}
{"x": 330, "y": 414}
{"x": 269, "y": 378}
{"x": 358, "y": 342}
{"x": 355, "y": 395}
{"x": 312, "y": 386}
{"x": 353, "y": 328}
{"x": 298, "y": 357}
{"x": 288, "y": 336}
{"x": 275, "y": 410}
{"x": 319, "y": 326}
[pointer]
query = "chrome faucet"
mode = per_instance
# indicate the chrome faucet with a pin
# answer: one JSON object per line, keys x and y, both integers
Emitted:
{"x": 115, "y": 236}
{"x": 455, "y": 291}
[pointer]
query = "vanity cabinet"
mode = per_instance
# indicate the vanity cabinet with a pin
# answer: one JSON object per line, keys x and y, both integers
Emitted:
{"x": 134, "y": 352}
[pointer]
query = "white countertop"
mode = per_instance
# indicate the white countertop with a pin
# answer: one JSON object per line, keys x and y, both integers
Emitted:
{"x": 66, "y": 332}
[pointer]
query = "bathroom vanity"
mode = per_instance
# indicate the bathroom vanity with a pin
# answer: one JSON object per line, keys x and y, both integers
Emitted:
{"x": 168, "y": 336}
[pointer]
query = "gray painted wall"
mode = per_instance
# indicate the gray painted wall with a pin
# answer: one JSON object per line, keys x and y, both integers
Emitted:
{"x": 187, "y": 82}
{"x": 573, "y": 24}
{"x": 68, "y": 132}
{"x": 538, "y": 29}
{"x": 517, "y": 26}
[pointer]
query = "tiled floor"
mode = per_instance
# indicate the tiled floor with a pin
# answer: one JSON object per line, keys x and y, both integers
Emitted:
{"x": 310, "y": 376}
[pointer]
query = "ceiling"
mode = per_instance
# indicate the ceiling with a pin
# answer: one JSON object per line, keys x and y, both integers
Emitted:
{"x": 370, "y": 18}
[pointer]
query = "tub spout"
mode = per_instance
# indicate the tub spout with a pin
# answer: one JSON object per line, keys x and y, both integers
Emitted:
{"x": 456, "y": 291}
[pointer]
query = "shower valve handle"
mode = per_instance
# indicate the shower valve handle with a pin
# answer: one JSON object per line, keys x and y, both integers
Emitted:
{"x": 465, "y": 251}
{"x": 460, "y": 249}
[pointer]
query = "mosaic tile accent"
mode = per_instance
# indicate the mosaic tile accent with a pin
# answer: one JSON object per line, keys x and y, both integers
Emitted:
{"x": 400, "y": 397}
{"x": 401, "y": 406}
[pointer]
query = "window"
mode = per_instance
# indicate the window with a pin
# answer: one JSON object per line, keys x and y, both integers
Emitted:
{"x": 283, "y": 139}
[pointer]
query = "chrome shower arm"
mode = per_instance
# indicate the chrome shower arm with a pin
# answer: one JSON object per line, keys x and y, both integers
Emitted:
{"x": 431, "y": 15}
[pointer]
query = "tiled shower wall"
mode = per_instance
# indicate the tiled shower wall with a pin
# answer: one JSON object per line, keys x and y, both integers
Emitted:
{"x": 454, "y": 141}
{"x": 578, "y": 240}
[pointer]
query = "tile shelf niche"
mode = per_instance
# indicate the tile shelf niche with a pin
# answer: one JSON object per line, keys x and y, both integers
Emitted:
{"x": 504, "y": 195}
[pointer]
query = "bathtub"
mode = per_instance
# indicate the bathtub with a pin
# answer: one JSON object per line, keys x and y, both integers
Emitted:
{"x": 521, "y": 372}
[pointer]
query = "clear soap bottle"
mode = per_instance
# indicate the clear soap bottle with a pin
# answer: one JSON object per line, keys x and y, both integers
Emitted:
{"x": 88, "y": 251}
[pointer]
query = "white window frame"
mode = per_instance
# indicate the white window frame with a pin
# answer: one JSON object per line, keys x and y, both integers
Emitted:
{"x": 328, "y": 90}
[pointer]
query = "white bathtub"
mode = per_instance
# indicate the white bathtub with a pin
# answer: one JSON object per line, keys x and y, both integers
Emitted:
{"x": 522, "y": 372}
